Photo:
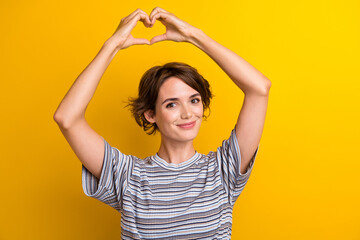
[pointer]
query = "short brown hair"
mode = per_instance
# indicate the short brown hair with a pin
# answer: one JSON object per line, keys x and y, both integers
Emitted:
{"x": 151, "y": 82}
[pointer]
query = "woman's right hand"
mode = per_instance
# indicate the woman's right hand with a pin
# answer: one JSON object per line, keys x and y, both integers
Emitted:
{"x": 122, "y": 35}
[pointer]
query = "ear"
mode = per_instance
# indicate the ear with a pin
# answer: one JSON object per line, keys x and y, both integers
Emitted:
{"x": 150, "y": 116}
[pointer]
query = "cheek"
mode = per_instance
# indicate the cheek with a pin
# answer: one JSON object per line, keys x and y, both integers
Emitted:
{"x": 199, "y": 111}
{"x": 172, "y": 115}
{"x": 169, "y": 116}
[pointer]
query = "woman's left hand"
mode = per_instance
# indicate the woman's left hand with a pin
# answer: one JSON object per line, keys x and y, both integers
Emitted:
{"x": 176, "y": 29}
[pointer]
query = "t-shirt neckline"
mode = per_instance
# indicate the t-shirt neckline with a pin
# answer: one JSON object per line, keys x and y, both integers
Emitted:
{"x": 176, "y": 166}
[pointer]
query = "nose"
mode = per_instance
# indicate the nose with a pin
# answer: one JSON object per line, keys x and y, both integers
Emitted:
{"x": 186, "y": 112}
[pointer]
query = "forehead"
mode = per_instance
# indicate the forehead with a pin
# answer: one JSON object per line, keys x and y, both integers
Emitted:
{"x": 174, "y": 87}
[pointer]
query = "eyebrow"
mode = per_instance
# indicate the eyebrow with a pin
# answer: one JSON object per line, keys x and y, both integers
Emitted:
{"x": 175, "y": 99}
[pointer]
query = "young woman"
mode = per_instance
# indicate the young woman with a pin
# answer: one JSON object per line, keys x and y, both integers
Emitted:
{"x": 178, "y": 193}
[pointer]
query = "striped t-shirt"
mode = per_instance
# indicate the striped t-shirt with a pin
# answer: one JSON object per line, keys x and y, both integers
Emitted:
{"x": 161, "y": 200}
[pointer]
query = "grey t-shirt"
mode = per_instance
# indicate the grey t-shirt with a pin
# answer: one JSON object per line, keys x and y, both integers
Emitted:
{"x": 160, "y": 200}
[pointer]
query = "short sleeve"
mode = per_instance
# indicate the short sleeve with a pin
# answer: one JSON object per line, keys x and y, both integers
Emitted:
{"x": 229, "y": 161}
{"x": 113, "y": 180}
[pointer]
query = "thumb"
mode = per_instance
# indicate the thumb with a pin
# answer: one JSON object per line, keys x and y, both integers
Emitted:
{"x": 140, "y": 41}
{"x": 158, "y": 38}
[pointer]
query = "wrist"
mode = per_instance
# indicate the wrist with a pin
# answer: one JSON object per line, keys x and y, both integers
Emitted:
{"x": 110, "y": 48}
{"x": 113, "y": 43}
{"x": 197, "y": 37}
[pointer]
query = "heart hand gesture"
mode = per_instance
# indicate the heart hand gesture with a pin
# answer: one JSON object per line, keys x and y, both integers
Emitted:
{"x": 176, "y": 29}
{"x": 122, "y": 35}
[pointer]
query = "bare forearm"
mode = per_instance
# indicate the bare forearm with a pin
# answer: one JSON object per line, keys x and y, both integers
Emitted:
{"x": 76, "y": 100}
{"x": 243, "y": 74}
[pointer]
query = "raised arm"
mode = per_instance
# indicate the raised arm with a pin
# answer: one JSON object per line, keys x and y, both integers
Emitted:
{"x": 254, "y": 84}
{"x": 70, "y": 114}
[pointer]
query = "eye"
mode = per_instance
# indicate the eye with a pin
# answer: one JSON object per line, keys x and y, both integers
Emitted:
{"x": 195, "y": 100}
{"x": 170, "y": 105}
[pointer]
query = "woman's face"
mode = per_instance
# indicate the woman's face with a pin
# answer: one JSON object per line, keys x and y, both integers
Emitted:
{"x": 179, "y": 111}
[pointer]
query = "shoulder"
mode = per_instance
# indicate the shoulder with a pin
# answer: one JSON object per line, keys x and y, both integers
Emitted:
{"x": 211, "y": 154}
{"x": 142, "y": 164}
{"x": 210, "y": 158}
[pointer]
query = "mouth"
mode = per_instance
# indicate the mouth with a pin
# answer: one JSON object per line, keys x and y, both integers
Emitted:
{"x": 187, "y": 125}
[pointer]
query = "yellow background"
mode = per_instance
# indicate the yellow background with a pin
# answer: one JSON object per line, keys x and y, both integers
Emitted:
{"x": 305, "y": 183}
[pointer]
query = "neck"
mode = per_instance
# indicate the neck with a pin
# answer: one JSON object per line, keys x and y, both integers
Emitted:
{"x": 176, "y": 152}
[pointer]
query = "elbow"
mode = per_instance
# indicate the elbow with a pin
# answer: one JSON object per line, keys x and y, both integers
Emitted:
{"x": 59, "y": 120}
{"x": 66, "y": 123}
{"x": 56, "y": 118}
{"x": 267, "y": 86}
{"x": 265, "y": 89}
{"x": 62, "y": 122}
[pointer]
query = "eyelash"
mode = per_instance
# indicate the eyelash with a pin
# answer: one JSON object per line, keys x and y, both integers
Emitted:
{"x": 197, "y": 100}
{"x": 170, "y": 105}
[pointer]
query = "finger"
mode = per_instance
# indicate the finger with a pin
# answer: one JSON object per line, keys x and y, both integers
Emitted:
{"x": 158, "y": 38}
{"x": 135, "y": 12}
{"x": 135, "y": 16}
{"x": 156, "y": 11}
{"x": 161, "y": 16}
{"x": 139, "y": 17}
{"x": 143, "y": 17}
{"x": 131, "y": 15}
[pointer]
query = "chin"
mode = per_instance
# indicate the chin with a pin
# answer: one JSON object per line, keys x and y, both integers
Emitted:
{"x": 188, "y": 135}
{"x": 181, "y": 135}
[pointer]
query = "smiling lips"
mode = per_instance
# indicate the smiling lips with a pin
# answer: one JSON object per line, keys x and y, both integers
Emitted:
{"x": 187, "y": 125}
